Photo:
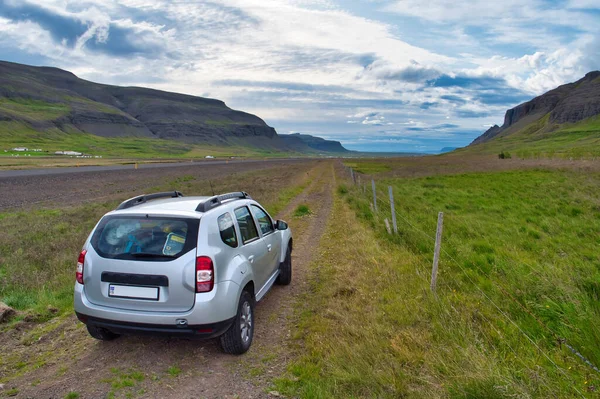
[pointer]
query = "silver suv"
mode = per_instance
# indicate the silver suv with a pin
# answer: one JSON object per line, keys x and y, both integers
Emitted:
{"x": 182, "y": 266}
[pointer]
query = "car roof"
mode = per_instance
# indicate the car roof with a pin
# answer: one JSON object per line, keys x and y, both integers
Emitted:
{"x": 180, "y": 206}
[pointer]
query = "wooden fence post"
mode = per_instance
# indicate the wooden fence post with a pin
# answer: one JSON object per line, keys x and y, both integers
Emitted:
{"x": 374, "y": 194}
{"x": 387, "y": 226}
{"x": 393, "y": 210}
{"x": 352, "y": 175}
{"x": 436, "y": 253}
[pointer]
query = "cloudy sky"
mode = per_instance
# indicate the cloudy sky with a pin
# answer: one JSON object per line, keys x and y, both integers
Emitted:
{"x": 379, "y": 75}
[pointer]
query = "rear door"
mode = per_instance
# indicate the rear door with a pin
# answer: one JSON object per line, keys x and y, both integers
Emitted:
{"x": 142, "y": 263}
{"x": 272, "y": 240}
{"x": 253, "y": 247}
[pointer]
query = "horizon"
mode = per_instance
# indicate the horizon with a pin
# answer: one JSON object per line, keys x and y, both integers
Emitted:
{"x": 378, "y": 76}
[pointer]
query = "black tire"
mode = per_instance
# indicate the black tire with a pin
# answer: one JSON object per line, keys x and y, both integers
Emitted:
{"x": 102, "y": 333}
{"x": 285, "y": 269}
{"x": 234, "y": 341}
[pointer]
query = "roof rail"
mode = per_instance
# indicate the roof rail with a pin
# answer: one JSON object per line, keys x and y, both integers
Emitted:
{"x": 217, "y": 200}
{"x": 141, "y": 199}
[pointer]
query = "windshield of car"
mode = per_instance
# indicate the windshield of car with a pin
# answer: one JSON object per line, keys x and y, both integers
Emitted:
{"x": 145, "y": 238}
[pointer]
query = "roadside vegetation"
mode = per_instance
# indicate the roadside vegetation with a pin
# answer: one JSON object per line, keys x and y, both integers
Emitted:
{"x": 518, "y": 281}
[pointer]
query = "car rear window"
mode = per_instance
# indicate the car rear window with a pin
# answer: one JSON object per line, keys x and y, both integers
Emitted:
{"x": 145, "y": 238}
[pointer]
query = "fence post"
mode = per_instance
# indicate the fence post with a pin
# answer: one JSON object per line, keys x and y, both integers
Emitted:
{"x": 387, "y": 226}
{"x": 374, "y": 195}
{"x": 393, "y": 210}
{"x": 436, "y": 253}
{"x": 359, "y": 185}
{"x": 352, "y": 175}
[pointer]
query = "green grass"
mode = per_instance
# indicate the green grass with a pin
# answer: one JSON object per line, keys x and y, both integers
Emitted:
{"x": 173, "y": 371}
{"x": 123, "y": 380}
{"x": 33, "y": 109}
{"x": 302, "y": 210}
{"x": 37, "y": 255}
{"x": 528, "y": 239}
{"x": 72, "y": 395}
{"x": 368, "y": 167}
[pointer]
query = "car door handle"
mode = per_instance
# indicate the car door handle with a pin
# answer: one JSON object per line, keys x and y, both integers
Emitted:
{"x": 251, "y": 258}
{"x": 269, "y": 246}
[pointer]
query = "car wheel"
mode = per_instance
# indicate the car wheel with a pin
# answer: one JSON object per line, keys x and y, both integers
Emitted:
{"x": 285, "y": 269}
{"x": 102, "y": 333}
{"x": 238, "y": 338}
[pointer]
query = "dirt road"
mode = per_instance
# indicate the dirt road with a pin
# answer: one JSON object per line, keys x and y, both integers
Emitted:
{"x": 66, "y": 360}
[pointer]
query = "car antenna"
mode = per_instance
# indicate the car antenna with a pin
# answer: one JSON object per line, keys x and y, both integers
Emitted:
{"x": 211, "y": 187}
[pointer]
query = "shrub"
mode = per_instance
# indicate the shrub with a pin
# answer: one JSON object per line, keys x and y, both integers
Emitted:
{"x": 342, "y": 189}
{"x": 504, "y": 155}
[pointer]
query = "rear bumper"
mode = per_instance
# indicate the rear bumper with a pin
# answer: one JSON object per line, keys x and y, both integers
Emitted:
{"x": 209, "y": 308}
{"x": 204, "y": 331}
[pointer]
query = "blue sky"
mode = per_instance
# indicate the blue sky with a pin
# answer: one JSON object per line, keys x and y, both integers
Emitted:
{"x": 378, "y": 75}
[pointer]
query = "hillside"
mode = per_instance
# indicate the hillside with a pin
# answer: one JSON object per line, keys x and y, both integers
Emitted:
{"x": 41, "y": 102}
{"x": 298, "y": 140}
{"x": 563, "y": 120}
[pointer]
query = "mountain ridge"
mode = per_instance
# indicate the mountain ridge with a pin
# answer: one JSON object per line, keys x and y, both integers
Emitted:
{"x": 314, "y": 142}
{"x": 51, "y": 98}
{"x": 567, "y": 104}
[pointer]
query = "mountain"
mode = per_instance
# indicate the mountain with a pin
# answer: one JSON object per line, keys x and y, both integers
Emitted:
{"x": 316, "y": 143}
{"x": 563, "y": 118}
{"x": 50, "y": 99}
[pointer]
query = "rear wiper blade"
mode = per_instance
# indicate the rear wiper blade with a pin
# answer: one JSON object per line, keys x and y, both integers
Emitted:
{"x": 150, "y": 255}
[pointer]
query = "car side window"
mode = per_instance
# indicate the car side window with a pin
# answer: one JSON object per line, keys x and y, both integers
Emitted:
{"x": 227, "y": 230}
{"x": 246, "y": 224}
{"x": 264, "y": 221}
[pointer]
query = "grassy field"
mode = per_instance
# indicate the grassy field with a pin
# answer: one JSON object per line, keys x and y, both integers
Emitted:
{"x": 38, "y": 248}
{"x": 519, "y": 271}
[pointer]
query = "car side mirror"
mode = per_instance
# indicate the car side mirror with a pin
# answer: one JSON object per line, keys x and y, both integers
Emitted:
{"x": 281, "y": 225}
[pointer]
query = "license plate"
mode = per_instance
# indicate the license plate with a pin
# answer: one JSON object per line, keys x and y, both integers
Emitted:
{"x": 132, "y": 292}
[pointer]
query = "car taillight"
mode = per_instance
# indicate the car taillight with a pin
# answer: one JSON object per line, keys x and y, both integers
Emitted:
{"x": 79, "y": 272}
{"x": 205, "y": 274}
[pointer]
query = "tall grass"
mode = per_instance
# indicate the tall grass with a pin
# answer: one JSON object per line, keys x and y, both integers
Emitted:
{"x": 524, "y": 241}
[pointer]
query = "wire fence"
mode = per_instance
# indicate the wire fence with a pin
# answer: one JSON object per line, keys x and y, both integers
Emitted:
{"x": 383, "y": 205}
